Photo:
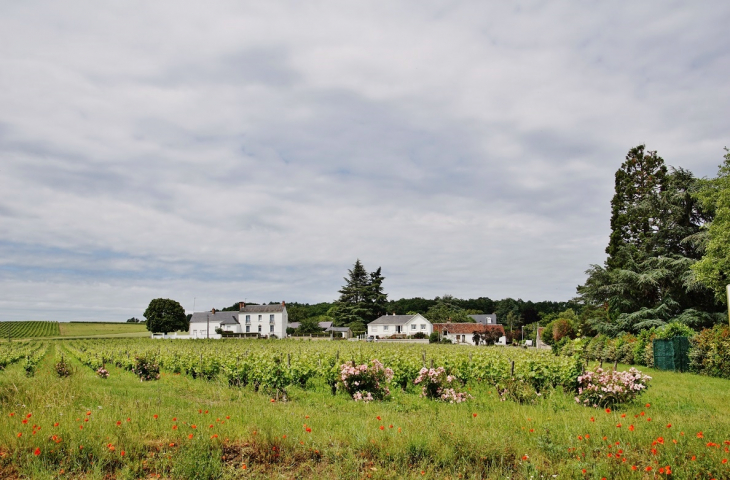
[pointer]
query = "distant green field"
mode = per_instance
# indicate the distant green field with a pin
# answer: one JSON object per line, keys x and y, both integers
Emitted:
{"x": 79, "y": 329}
{"x": 75, "y": 329}
{"x": 28, "y": 329}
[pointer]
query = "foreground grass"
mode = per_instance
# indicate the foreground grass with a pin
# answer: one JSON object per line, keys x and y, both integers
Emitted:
{"x": 184, "y": 428}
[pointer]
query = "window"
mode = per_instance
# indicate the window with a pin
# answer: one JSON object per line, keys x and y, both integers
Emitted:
{"x": 423, "y": 326}
{"x": 271, "y": 328}
{"x": 260, "y": 317}
{"x": 271, "y": 319}
{"x": 385, "y": 328}
{"x": 195, "y": 333}
{"x": 259, "y": 328}
{"x": 248, "y": 318}
{"x": 413, "y": 327}
{"x": 248, "y": 328}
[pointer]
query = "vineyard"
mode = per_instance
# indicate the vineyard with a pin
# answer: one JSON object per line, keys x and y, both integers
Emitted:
{"x": 235, "y": 409}
{"x": 28, "y": 329}
{"x": 243, "y": 363}
{"x": 13, "y": 352}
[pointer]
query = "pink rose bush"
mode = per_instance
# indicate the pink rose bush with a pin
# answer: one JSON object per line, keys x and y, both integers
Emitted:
{"x": 601, "y": 388}
{"x": 366, "y": 383}
{"x": 437, "y": 385}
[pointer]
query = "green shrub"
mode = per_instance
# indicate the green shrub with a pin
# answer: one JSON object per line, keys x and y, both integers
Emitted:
{"x": 674, "y": 329}
{"x": 709, "y": 352}
{"x": 518, "y": 391}
{"x": 562, "y": 328}
{"x": 433, "y": 338}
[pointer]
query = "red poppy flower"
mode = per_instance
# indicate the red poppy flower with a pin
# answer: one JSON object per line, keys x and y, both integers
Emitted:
{"x": 37, "y": 451}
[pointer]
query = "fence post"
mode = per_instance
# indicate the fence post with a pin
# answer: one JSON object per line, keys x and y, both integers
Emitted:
{"x": 728, "y": 303}
{"x": 512, "y": 369}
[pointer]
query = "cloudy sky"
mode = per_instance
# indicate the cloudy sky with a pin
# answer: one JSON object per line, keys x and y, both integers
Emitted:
{"x": 212, "y": 152}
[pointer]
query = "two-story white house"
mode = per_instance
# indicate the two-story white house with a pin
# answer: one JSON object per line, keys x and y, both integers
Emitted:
{"x": 389, "y": 325}
{"x": 257, "y": 320}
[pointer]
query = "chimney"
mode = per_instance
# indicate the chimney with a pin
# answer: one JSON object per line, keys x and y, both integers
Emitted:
{"x": 241, "y": 306}
{"x": 212, "y": 311}
{"x": 283, "y": 304}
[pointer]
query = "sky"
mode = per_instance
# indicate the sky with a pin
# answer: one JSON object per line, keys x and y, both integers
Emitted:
{"x": 216, "y": 152}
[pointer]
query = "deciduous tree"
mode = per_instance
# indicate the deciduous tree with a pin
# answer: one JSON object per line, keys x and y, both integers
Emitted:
{"x": 164, "y": 315}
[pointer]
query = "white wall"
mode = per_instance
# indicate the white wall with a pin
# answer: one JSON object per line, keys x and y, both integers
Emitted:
{"x": 200, "y": 329}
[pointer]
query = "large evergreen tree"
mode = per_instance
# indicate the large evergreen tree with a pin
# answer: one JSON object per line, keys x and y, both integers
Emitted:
{"x": 647, "y": 280}
{"x": 641, "y": 177}
{"x": 361, "y": 298}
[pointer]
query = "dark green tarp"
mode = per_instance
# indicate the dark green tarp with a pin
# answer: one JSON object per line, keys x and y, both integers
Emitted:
{"x": 671, "y": 354}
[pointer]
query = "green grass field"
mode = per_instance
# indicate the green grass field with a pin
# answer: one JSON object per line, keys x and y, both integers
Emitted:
{"x": 178, "y": 428}
{"x": 81, "y": 329}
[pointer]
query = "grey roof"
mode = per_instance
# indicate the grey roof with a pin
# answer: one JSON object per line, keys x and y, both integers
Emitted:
{"x": 224, "y": 318}
{"x": 322, "y": 325}
{"x": 490, "y": 319}
{"x": 338, "y": 329}
{"x": 392, "y": 320}
{"x": 263, "y": 308}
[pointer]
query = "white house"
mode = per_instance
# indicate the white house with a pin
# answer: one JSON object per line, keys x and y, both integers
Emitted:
{"x": 255, "y": 320}
{"x": 388, "y": 325}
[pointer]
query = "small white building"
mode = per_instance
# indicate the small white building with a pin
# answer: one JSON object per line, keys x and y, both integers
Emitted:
{"x": 464, "y": 332}
{"x": 255, "y": 320}
{"x": 389, "y": 325}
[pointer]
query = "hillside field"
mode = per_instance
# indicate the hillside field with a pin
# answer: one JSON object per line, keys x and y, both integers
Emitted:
{"x": 179, "y": 427}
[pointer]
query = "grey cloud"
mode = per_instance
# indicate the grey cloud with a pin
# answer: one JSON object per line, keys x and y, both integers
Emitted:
{"x": 255, "y": 150}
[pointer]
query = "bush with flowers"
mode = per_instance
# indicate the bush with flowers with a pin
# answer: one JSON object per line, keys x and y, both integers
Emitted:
{"x": 62, "y": 368}
{"x": 146, "y": 369}
{"x": 366, "y": 383}
{"x": 603, "y": 388}
{"x": 437, "y": 385}
{"x": 102, "y": 372}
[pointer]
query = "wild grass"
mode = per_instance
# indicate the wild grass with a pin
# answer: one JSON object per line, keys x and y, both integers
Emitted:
{"x": 316, "y": 435}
